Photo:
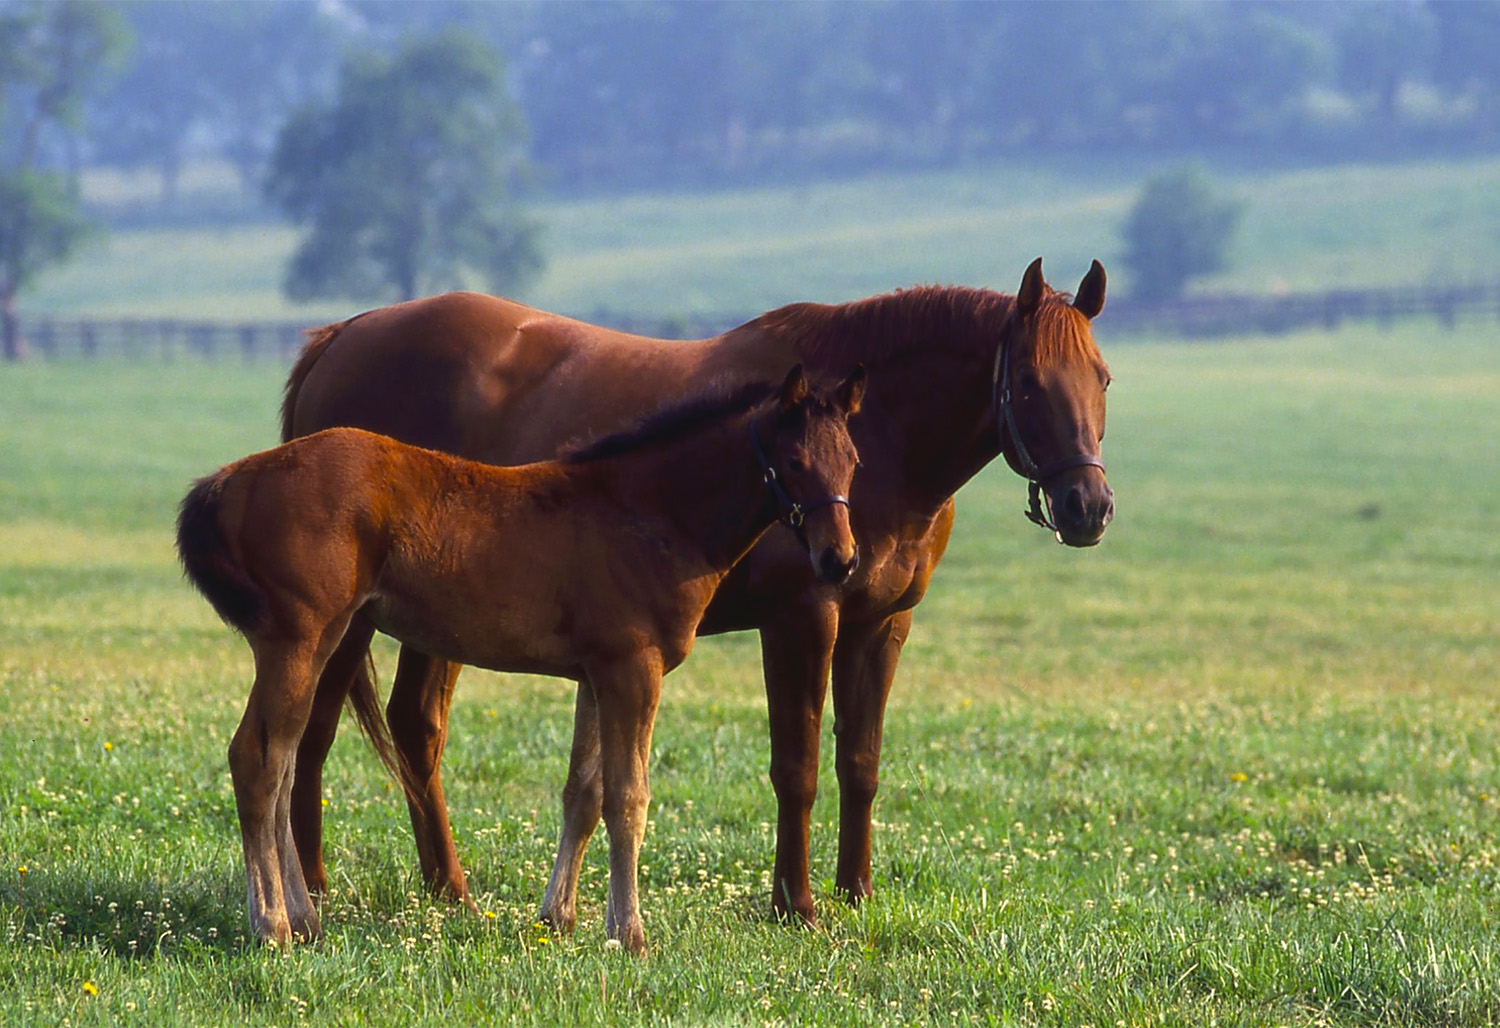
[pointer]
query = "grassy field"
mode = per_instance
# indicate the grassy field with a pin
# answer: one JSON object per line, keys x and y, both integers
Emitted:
{"x": 727, "y": 254}
{"x": 1235, "y": 766}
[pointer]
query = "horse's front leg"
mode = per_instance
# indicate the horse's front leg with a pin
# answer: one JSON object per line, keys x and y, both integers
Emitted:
{"x": 347, "y": 663}
{"x": 796, "y": 648}
{"x": 627, "y": 693}
{"x": 864, "y": 665}
{"x": 583, "y": 803}
{"x": 417, "y": 713}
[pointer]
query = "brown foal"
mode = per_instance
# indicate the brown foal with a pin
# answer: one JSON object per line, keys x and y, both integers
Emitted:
{"x": 596, "y": 568}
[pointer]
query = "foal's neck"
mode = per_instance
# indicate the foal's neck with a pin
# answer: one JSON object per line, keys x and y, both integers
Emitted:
{"x": 706, "y": 489}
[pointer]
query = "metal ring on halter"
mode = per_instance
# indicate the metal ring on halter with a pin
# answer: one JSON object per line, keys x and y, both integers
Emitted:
{"x": 1039, "y": 510}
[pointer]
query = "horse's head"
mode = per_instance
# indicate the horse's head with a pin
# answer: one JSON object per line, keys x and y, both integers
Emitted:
{"x": 1049, "y": 402}
{"x": 808, "y": 460}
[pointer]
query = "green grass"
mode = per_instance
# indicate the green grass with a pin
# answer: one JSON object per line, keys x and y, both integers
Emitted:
{"x": 733, "y": 253}
{"x": 1234, "y": 766}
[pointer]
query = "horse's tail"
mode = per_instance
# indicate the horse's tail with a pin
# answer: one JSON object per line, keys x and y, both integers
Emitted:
{"x": 365, "y": 702}
{"x": 362, "y": 697}
{"x": 206, "y": 558}
{"x": 317, "y": 342}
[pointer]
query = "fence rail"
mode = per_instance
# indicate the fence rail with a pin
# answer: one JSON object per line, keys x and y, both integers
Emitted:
{"x": 1198, "y": 317}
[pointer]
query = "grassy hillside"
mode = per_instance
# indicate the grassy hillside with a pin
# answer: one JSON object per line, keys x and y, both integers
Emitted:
{"x": 730, "y": 253}
{"x": 1234, "y": 766}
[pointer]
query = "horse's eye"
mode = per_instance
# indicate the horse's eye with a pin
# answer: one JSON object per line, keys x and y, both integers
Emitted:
{"x": 797, "y": 464}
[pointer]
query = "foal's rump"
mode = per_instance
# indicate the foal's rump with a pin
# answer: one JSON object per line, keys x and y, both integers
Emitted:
{"x": 289, "y": 522}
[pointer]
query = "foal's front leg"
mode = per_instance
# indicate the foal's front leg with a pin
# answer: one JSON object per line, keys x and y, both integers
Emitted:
{"x": 627, "y": 694}
{"x": 583, "y": 802}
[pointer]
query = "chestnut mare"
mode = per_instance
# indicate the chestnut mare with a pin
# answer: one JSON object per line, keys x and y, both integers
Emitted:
{"x": 958, "y": 376}
{"x": 597, "y": 568}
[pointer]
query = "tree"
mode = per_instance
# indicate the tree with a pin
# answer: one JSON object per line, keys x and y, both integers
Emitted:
{"x": 1180, "y": 227}
{"x": 406, "y": 180}
{"x": 51, "y": 55}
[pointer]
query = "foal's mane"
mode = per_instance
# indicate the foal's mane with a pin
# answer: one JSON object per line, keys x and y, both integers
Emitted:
{"x": 883, "y": 328}
{"x": 673, "y": 423}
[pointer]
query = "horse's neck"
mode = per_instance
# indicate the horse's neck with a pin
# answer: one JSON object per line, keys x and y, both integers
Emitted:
{"x": 926, "y": 425}
{"x": 706, "y": 489}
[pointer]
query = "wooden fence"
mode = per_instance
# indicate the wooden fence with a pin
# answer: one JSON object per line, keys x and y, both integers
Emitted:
{"x": 1195, "y": 318}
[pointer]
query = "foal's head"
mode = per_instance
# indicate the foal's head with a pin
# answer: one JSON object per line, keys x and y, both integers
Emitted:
{"x": 808, "y": 460}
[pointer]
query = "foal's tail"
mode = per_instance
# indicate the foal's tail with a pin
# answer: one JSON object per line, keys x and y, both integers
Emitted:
{"x": 206, "y": 558}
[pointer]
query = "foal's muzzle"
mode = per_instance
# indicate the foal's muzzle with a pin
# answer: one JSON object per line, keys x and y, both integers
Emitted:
{"x": 833, "y": 568}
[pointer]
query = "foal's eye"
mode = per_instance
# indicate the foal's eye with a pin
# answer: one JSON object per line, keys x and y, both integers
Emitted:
{"x": 797, "y": 464}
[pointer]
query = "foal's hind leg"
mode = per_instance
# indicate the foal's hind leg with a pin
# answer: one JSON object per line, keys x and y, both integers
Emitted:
{"x": 583, "y": 802}
{"x": 627, "y": 696}
{"x": 262, "y": 758}
{"x": 306, "y": 812}
{"x": 418, "y": 716}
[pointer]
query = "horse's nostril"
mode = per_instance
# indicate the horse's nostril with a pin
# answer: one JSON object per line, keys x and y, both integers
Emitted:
{"x": 1074, "y": 506}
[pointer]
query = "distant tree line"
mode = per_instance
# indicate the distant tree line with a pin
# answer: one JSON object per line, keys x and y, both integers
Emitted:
{"x": 659, "y": 92}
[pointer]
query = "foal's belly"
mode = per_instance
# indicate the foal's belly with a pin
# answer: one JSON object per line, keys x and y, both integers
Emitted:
{"x": 497, "y": 639}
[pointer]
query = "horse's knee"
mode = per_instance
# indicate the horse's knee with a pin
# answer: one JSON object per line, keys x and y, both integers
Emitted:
{"x": 859, "y": 777}
{"x": 794, "y": 783}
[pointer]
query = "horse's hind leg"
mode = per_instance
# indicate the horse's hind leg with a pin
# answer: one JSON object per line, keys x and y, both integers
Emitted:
{"x": 418, "y": 717}
{"x": 349, "y": 662}
{"x": 583, "y": 802}
{"x": 262, "y": 757}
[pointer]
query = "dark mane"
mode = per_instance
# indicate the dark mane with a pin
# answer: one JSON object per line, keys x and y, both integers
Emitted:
{"x": 672, "y": 423}
{"x": 883, "y": 328}
{"x": 880, "y": 328}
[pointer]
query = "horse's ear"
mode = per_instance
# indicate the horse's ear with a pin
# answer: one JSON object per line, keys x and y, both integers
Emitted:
{"x": 794, "y": 389}
{"x": 1090, "y": 299}
{"x": 1029, "y": 298}
{"x": 852, "y": 390}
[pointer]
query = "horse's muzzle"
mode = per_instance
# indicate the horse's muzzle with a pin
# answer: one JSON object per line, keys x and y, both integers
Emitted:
{"x": 1084, "y": 511}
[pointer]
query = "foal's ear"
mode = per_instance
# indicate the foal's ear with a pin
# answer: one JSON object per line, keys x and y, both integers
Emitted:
{"x": 1029, "y": 298}
{"x": 852, "y": 390}
{"x": 1090, "y": 299}
{"x": 794, "y": 389}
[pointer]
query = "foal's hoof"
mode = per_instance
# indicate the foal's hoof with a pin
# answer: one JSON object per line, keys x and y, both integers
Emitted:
{"x": 307, "y": 928}
{"x": 562, "y": 922}
{"x": 632, "y": 940}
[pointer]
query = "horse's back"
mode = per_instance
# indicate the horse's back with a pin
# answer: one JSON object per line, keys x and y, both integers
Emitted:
{"x": 485, "y": 377}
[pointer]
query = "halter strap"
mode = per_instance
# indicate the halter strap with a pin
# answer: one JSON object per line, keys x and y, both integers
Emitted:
{"x": 1039, "y": 510}
{"x": 792, "y": 512}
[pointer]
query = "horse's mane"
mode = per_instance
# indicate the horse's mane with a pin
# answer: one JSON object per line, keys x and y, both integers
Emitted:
{"x": 673, "y": 423}
{"x": 882, "y": 328}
